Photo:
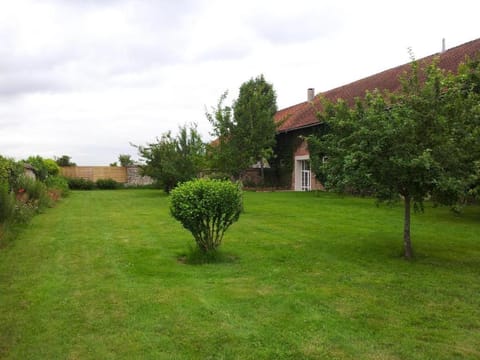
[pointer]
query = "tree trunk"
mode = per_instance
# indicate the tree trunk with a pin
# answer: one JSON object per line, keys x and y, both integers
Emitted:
{"x": 406, "y": 229}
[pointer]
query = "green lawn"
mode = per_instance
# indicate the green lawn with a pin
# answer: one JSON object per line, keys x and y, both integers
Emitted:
{"x": 307, "y": 277}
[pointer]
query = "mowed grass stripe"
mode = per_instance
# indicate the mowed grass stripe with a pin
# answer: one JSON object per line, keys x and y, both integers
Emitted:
{"x": 308, "y": 277}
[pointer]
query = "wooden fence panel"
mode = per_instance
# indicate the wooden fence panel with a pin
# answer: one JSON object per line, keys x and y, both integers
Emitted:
{"x": 93, "y": 173}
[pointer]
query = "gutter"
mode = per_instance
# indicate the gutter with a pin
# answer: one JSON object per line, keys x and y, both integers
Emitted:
{"x": 299, "y": 128}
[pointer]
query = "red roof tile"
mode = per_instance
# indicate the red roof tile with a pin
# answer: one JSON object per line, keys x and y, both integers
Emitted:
{"x": 304, "y": 114}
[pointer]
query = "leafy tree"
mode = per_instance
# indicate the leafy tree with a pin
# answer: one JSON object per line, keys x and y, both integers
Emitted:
{"x": 125, "y": 160}
{"x": 221, "y": 152}
{"x": 114, "y": 164}
{"x": 254, "y": 133}
{"x": 207, "y": 208}
{"x": 248, "y": 135}
{"x": 396, "y": 146}
{"x": 174, "y": 159}
{"x": 64, "y": 160}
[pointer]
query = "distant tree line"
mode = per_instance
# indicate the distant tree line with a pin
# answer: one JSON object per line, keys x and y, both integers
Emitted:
{"x": 124, "y": 160}
{"x": 64, "y": 160}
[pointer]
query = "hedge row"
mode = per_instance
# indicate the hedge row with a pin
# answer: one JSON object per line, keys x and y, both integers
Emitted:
{"x": 21, "y": 197}
{"x": 84, "y": 184}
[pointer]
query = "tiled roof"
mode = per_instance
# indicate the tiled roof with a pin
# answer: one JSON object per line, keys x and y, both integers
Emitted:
{"x": 304, "y": 114}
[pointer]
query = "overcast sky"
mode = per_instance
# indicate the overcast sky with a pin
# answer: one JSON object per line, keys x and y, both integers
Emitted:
{"x": 86, "y": 78}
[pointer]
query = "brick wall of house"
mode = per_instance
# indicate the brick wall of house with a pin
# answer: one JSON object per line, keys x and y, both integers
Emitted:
{"x": 302, "y": 149}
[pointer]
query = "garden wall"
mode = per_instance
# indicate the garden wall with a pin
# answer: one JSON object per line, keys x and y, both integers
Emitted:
{"x": 134, "y": 177}
{"x": 129, "y": 175}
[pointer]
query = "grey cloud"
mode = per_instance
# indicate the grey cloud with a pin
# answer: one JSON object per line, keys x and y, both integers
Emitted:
{"x": 312, "y": 23}
{"x": 225, "y": 52}
{"x": 25, "y": 83}
{"x": 21, "y": 74}
{"x": 7, "y": 123}
{"x": 78, "y": 59}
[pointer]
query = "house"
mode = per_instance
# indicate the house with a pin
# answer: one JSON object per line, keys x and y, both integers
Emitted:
{"x": 291, "y": 167}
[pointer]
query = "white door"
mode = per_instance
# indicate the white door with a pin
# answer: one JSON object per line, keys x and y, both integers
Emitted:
{"x": 305, "y": 166}
{"x": 303, "y": 175}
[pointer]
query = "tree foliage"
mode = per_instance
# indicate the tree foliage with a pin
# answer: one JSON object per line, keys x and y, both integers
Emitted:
{"x": 207, "y": 208}
{"x": 173, "y": 159}
{"x": 221, "y": 152}
{"x": 125, "y": 160}
{"x": 43, "y": 168}
{"x": 10, "y": 171}
{"x": 462, "y": 156}
{"x": 246, "y": 131}
{"x": 408, "y": 145}
{"x": 64, "y": 160}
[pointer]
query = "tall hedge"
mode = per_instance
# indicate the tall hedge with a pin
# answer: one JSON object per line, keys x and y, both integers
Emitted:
{"x": 207, "y": 208}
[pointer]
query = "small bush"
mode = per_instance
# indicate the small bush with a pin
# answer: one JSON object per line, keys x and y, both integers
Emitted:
{"x": 107, "y": 184}
{"x": 52, "y": 167}
{"x": 10, "y": 171}
{"x": 24, "y": 211}
{"x": 58, "y": 183}
{"x": 207, "y": 208}
{"x": 81, "y": 184}
{"x": 33, "y": 191}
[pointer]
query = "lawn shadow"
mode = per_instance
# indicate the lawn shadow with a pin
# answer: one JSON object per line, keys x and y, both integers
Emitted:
{"x": 453, "y": 260}
{"x": 150, "y": 193}
{"x": 467, "y": 215}
{"x": 194, "y": 256}
{"x": 385, "y": 247}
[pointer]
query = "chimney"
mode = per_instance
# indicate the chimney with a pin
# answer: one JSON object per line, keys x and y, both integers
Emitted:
{"x": 310, "y": 94}
{"x": 443, "y": 45}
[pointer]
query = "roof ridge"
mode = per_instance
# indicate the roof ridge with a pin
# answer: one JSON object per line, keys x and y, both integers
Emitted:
{"x": 461, "y": 45}
{"x": 423, "y": 59}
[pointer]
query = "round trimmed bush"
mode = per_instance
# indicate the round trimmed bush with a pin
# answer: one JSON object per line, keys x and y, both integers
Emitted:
{"x": 207, "y": 208}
